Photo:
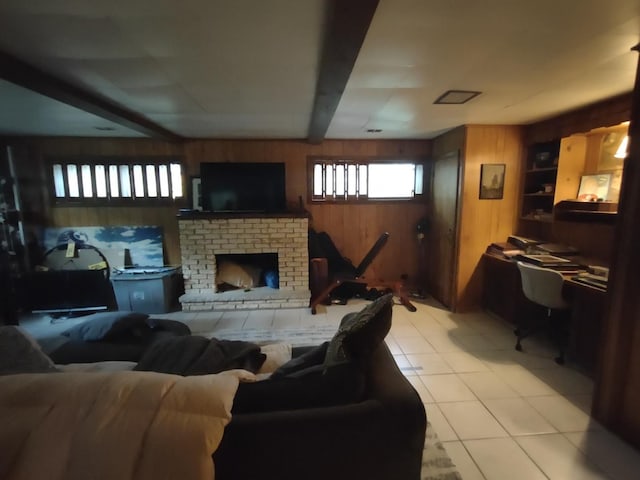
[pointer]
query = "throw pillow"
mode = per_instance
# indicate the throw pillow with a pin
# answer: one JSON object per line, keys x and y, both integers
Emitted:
{"x": 360, "y": 333}
{"x": 107, "y": 326}
{"x": 304, "y": 363}
{"x": 309, "y": 387}
{"x": 20, "y": 353}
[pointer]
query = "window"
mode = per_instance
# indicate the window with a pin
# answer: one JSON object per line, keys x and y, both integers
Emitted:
{"x": 112, "y": 179}
{"x": 365, "y": 179}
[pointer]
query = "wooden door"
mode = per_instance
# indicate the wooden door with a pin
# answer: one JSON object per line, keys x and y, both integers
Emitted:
{"x": 444, "y": 233}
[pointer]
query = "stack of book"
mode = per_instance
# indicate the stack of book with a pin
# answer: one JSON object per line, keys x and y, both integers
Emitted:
{"x": 552, "y": 262}
{"x": 590, "y": 279}
{"x": 523, "y": 243}
{"x": 505, "y": 249}
{"x": 556, "y": 249}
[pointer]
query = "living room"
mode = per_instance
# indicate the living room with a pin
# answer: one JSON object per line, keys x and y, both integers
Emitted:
{"x": 450, "y": 272}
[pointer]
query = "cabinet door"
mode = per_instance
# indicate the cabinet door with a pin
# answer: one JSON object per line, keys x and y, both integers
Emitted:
{"x": 502, "y": 289}
{"x": 573, "y": 154}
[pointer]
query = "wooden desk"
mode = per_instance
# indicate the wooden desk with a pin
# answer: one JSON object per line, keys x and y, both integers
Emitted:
{"x": 502, "y": 295}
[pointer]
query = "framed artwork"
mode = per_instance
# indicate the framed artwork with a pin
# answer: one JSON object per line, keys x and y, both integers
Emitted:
{"x": 122, "y": 245}
{"x": 594, "y": 187}
{"x": 196, "y": 193}
{"x": 492, "y": 180}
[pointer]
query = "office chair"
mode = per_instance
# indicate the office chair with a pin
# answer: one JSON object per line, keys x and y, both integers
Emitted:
{"x": 543, "y": 286}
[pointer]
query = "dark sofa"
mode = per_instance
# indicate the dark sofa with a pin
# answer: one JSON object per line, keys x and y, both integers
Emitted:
{"x": 341, "y": 410}
{"x": 380, "y": 437}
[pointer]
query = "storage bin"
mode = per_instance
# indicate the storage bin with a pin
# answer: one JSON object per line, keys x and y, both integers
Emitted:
{"x": 148, "y": 290}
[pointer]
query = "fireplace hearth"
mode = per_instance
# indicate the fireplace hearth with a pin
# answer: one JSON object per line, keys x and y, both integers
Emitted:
{"x": 205, "y": 237}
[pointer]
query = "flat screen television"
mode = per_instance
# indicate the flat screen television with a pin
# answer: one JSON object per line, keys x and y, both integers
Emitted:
{"x": 243, "y": 187}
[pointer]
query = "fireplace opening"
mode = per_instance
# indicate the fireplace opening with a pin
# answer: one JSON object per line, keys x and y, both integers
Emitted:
{"x": 246, "y": 270}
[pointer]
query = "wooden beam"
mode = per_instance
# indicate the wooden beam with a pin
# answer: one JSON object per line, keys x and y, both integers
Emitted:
{"x": 24, "y": 75}
{"x": 347, "y": 26}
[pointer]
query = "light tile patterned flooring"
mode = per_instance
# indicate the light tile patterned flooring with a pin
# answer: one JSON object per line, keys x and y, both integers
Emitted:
{"x": 501, "y": 414}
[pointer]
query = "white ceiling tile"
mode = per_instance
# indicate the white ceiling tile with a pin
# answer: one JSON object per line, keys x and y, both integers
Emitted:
{"x": 248, "y": 68}
{"x": 24, "y": 112}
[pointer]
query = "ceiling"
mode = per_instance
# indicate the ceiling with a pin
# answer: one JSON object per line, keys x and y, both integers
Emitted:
{"x": 274, "y": 69}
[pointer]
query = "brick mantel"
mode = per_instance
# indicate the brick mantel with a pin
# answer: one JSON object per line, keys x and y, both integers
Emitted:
{"x": 203, "y": 236}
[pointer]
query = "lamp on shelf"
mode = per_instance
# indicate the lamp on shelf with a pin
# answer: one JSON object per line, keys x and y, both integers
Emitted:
{"x": 621, "y": 152}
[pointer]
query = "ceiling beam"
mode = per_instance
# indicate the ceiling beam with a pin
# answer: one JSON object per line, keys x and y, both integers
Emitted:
{"x": 347, "y": 26}
{"x": 24, "y": 75}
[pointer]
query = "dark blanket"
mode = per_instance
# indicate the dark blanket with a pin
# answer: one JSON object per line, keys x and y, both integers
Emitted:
{"x": 193, "y": 355}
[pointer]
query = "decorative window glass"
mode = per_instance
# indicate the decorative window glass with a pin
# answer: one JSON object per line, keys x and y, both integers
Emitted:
{"x": 113, "y": 179}
{"x": 365, "y": 179}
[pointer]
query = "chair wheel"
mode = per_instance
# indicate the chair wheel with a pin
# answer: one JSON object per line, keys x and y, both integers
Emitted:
{"x": 519, "y": 347}
{"x": 559, "y": 360}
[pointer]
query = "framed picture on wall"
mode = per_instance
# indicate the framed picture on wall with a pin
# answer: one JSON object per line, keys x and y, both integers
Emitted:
{"x": 594, "y": 187}
{"x": 196, "y": 193}
{"x": 492, "y": 180}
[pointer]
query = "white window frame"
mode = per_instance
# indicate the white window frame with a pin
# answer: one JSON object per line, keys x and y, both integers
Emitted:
{"x": 356, "y": 185}
{"x": 115, "y": 185}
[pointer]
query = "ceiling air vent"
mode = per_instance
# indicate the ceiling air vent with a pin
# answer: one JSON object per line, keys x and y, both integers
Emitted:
{"x": 456, "y": 97}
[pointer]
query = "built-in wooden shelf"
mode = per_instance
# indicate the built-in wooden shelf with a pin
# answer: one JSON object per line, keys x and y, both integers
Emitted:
{"x": 546, "y": 169}
{"x": 542, "y": 220}
{"x": 586, "y": 216}
{"x": 593, "y": 212}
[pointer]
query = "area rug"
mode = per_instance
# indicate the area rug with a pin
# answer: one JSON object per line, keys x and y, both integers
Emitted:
{"x": 436, "y": 464}
{"x": 296, "y": 337}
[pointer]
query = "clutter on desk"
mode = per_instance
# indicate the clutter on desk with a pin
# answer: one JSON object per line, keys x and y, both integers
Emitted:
{"x": 598, "y": 281}
{"x": 550, "y": 261}
{"x": 538, "y": 252}
{"x": 523, "y": 243}
{"x": 506, "y": 249}
{"x": 557, "y": 249}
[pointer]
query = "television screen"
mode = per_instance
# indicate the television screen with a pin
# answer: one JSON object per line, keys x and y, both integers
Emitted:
{"x": 243, "y": 187}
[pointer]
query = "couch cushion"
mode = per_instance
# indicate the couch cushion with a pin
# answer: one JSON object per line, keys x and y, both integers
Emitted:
{"x": 308, "y": 388}
{"x": 360, "y": 333}
{"x": 20, "y": 353}
{"x": 107, "y": 326}
{"x": 299, "y": 365}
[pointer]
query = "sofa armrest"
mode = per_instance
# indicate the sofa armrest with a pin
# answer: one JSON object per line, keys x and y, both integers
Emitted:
{"x": 379, "y": 438}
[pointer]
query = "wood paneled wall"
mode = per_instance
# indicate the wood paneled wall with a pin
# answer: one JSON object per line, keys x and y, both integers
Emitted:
{"x": 479, "y": 222}
{"x": 593, "y": 240}
{"x": 617, "y": 389}
{"x": 59, "y": 216}
{"x": 354, "y": 228}
{"x": 485, "y": 221}
{"x": 606, "y": 113}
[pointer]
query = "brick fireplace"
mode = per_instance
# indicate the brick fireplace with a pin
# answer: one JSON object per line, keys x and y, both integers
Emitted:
{"x": 203, "y": 236}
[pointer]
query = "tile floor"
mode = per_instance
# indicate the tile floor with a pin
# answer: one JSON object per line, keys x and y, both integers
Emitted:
{"x": 501, "y": 414}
